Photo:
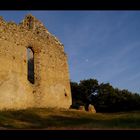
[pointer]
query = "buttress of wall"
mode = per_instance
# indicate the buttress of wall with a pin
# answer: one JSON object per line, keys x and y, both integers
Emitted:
{"x": 55, "y": 82}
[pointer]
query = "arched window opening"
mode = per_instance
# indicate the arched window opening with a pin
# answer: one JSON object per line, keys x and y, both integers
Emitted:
{"x": 30, "y": 65}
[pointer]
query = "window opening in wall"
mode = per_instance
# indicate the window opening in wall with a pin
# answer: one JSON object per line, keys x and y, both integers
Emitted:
{"x": 30, "y": 65}
{"x": 30, "y": 20}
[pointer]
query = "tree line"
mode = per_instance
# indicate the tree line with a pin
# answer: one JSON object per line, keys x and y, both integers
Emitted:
{"x": 104, "y": 96}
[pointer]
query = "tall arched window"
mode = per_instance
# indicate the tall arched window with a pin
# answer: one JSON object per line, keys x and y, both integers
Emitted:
{"x": 30, "y": 65}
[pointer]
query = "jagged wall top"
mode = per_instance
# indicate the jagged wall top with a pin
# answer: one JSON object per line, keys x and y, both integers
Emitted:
{"x": 32, "y": 24}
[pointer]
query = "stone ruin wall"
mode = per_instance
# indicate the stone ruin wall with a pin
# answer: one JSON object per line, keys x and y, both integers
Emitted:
{"x": 52, "y": 84}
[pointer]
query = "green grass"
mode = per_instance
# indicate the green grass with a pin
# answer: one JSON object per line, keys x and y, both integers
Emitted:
{"x": 67, "y": 119}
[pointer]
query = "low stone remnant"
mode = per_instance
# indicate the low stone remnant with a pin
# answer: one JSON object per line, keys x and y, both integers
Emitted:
{"x": 82, "y": 108}
{"x": 91, "y": 108}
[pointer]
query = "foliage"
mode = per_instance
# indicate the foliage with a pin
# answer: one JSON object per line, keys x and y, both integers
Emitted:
{"x": 107, "y": 99}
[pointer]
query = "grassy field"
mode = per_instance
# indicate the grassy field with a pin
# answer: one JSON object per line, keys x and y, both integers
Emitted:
{"x": 67, "y": 119}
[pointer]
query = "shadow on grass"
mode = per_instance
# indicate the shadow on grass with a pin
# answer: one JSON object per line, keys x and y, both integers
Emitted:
{"x": 31, "y": 119}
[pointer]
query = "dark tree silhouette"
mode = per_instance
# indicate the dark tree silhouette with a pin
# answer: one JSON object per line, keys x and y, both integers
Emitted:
{"x": 106, "y": 99}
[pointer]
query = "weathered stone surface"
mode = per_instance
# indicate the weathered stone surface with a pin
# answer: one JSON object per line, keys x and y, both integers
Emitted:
{"x": 82, "y": 108}
{"x": 51, "y": 87}
{"x": 91, "y": 108}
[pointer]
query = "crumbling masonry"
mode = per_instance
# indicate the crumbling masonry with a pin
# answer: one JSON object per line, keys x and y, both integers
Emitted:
{"x": 46, "y": 83}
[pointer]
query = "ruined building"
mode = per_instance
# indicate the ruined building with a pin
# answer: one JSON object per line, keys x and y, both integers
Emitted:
{"x": 33, "y": 67}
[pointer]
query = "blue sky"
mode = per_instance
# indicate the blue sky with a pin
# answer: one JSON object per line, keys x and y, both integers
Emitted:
{"x": 104, "y": 45}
